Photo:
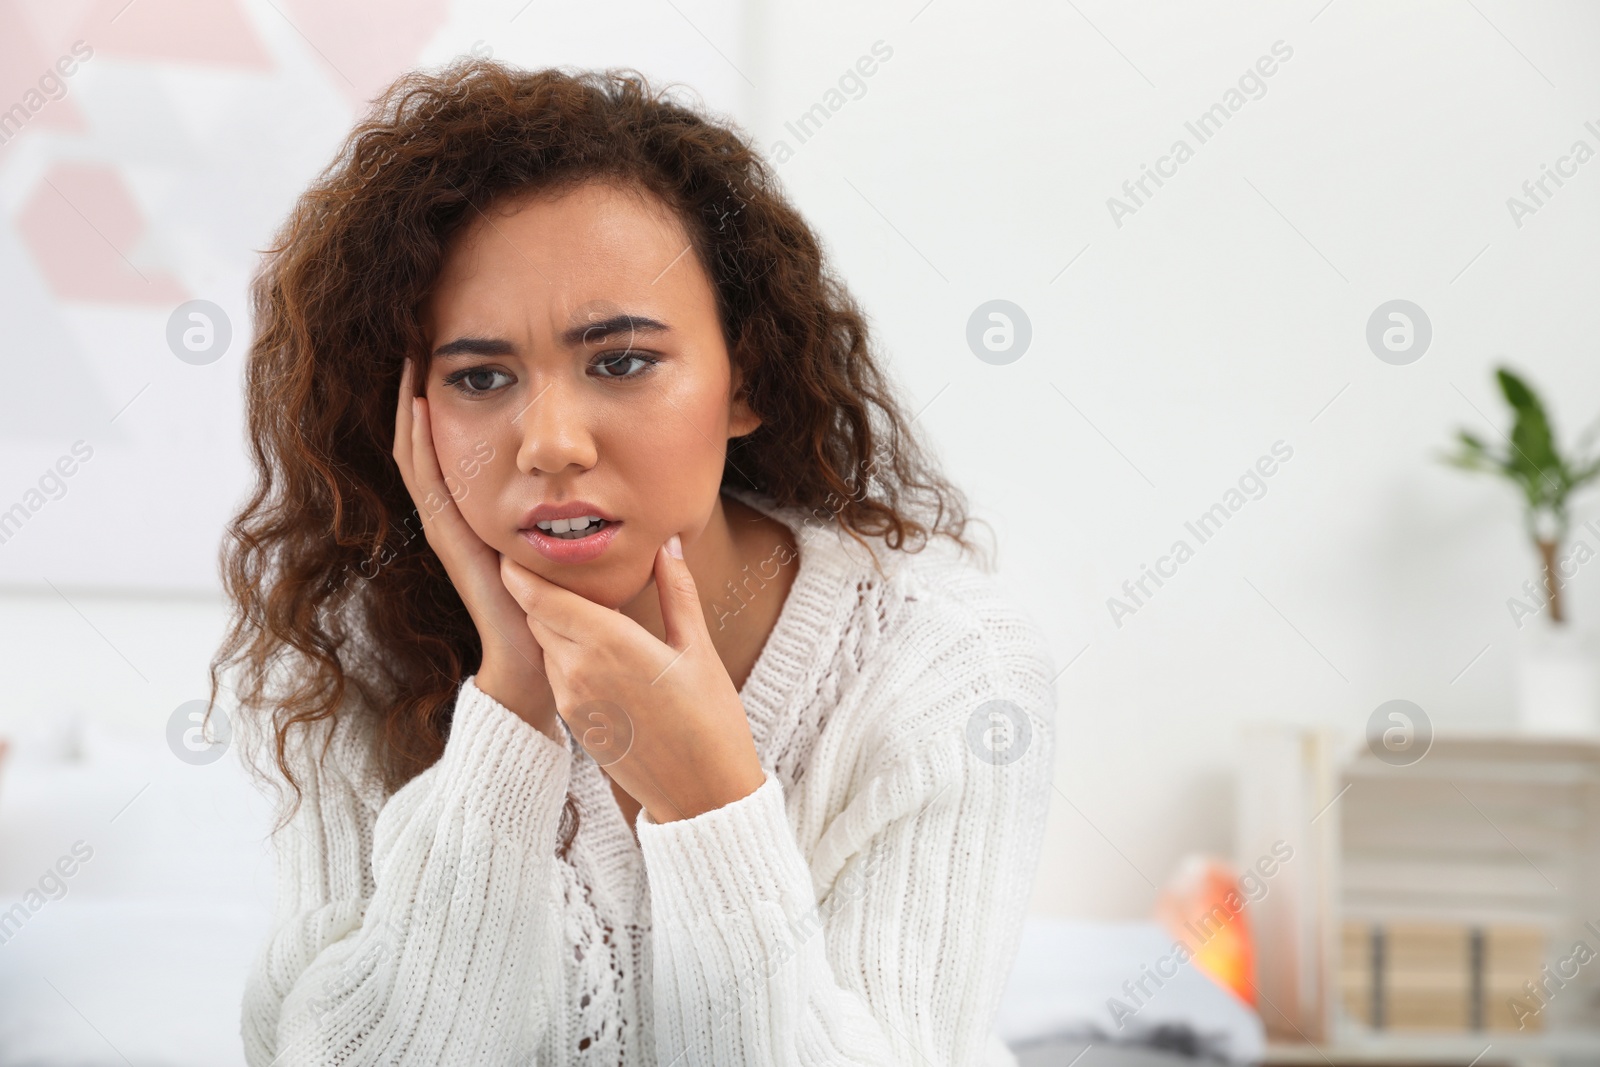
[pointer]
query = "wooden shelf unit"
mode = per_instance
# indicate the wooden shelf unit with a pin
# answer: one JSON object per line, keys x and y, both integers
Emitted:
{"x": 1420, "y": 898}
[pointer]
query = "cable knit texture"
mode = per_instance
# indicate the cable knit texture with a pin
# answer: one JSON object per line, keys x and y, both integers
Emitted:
{"x": 862, "y": 906}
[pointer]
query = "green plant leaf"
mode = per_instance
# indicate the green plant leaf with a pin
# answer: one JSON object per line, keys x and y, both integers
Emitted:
{"x": 1533, "y": 454}
{"x": 1473, "y": 454}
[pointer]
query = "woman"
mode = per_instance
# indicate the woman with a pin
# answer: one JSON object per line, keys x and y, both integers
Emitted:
{"x": 685, "y": 732}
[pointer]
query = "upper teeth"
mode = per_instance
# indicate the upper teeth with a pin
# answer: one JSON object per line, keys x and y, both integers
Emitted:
{"x": 582, "y": 522}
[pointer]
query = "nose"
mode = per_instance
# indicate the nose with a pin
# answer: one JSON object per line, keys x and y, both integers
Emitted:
{"x": 555, "y": 429}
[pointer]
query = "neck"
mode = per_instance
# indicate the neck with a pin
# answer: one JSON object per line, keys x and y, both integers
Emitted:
{"x": 714, "y": 558}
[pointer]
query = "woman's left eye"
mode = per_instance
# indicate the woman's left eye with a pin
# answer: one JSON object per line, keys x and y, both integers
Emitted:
{"x": 475, "y": 376}
{"x": 605, "y": 364}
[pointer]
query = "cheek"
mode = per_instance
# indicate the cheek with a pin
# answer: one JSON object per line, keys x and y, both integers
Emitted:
{"x": 695, "y": 414}
{"x": 472, "y": 463}
{"x": 676, "y": 448}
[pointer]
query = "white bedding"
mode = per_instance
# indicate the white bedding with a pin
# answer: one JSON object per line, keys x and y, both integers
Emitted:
{"x": 1068, "y": 972}
{"x": 114, "y": 982}
{"x": 140, "y": 955}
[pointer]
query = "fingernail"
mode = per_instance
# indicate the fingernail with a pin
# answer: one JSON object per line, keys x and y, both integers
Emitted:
{"x": 674, "y": 547}
{"x": 415, "y": 408}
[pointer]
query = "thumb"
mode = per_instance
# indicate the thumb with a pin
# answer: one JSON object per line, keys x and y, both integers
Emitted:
{"x": 681, "y": 614}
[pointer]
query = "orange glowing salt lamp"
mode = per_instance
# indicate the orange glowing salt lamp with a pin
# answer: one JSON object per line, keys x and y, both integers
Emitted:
{"x": 1204, "y": 910}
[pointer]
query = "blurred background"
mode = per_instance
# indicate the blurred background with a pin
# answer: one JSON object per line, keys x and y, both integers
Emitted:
{"x": 1228, "y": 276}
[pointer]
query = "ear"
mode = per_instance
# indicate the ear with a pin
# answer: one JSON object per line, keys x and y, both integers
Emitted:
{"x": 741, "y": 419}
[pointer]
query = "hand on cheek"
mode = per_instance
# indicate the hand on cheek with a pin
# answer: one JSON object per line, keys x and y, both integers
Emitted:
{"x": 512, "y": 668}
{"x": 662, "y": 717}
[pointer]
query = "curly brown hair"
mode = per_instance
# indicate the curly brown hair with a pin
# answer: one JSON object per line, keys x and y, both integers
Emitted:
{"x": 336, "y": 304}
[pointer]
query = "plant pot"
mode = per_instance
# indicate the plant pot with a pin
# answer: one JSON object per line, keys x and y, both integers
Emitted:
{"x": 1558, "y": 686}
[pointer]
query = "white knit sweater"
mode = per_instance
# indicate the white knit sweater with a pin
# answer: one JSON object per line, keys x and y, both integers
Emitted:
{"x": 862, "y": 906}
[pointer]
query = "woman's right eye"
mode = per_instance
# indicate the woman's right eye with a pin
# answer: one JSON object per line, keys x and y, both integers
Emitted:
{"x": 473, "y": 381}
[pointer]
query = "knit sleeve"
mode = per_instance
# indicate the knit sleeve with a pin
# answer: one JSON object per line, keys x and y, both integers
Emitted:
{"x": 419, "y": 928}
{"x": 901, "y": 957}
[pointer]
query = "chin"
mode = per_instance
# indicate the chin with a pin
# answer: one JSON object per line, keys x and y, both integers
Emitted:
{"x": 611, "y": 593}
{"x": 611, "y": 587}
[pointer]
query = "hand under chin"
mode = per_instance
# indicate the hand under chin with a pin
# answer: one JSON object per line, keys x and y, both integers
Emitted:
{"x": 612, "y": 591}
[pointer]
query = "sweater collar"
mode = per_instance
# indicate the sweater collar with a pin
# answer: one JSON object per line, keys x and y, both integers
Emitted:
{"x": 800, "y": 649}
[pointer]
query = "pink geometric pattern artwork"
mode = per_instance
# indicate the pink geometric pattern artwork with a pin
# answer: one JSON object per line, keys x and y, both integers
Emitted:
{"x": 33, "y": 92}
{"x": 367, "y": 43}
{"x": 81, "y": 225}
{"x": 198, "y": 31}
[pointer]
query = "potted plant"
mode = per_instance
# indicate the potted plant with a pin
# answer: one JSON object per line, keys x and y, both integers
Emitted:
{"x": 1556, "y": 672}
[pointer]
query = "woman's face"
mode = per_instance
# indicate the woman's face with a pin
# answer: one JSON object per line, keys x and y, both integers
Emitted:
{"x": 577, "y": 358}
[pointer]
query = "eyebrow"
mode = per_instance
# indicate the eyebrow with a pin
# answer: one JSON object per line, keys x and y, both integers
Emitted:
{"x": 593, "y": 332}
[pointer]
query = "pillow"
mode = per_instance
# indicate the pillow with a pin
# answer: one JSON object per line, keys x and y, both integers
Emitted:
{"x": 103, "y": 982}
{"x": 1069, "y": 982}
{"x": 135, "y": 890}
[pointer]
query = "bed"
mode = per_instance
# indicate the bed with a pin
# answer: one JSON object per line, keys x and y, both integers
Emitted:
{"x": 139, "y": 955}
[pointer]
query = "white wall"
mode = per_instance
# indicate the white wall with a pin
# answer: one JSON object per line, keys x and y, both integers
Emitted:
{"x": 1226, "y": 314}
{"x": 1204, "y": 329}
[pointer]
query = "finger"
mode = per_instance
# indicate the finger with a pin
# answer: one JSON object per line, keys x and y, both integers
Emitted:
{"x": 561, "y": 612}
{"x": 514, "y": 577}
{"x": 684, "y": 619}
{"x": 402, "y": 425}
{"x": 536, "y": 597}
{"x": 436, "y": 504}
{"x": 408, "y": 428}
